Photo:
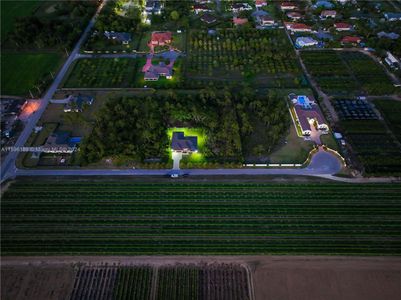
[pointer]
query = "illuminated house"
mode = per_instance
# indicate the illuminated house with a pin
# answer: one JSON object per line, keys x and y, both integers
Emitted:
{"x": 184, "y": 144}
{"x": 308, "y": 114}
{"x": 155, "y": 71}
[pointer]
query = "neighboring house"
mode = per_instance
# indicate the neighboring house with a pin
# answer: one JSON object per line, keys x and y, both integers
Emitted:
{"x": 201, "y": 8}
{"x": 208, "y": 18}
{"x": 342, "y": 1}
{"x": 308, "y": 114}
{"x": 266, "y": 21}
{"x": 122, "y": 37}
{"x": 288, "y": 6}
{"x": 323, "y": 4}
{"x": 184, "y": 144}
{"x": 294, "y": 15}
{"x": 202, "y": 1}
{"x": 297, "y": 27}
{"x": 392, "y": 16}
{"x": 389, "y": 35}
{"x": 342, "y": 26}
{"x": 161, "y": 38}
{"x": 325, "y": 14}
{"x": 76, "y": 104}
{"x": 392, "y": 61}
{"x": 302, "y": 42}
{"x": 61, "y": 142}
{"x": 239, "y": 21}
{"x": 153, "y": 72}
{"x": 351, "y": 40}
{"x": 238, "y": 7}
{"x": 260, "y": 3}
{"x": 153, "y": 7}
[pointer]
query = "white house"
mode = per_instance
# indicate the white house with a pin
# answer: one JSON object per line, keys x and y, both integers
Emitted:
{"x": 392, "y": 61}
{"x": 306, "y": 41}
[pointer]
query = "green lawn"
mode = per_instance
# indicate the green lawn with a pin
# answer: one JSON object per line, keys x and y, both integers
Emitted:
{"x": 294, "y": 151}
{"x": 13, "y": 9}
{"x": 20, "y": 72}
{"x": 73, "y": 217}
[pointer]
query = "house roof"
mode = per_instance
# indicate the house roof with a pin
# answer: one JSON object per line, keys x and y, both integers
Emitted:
{"x": 120, "y": 36}
{"x": 288, "y": 4}
{"x": 351, "y": 39}
{"x": 305, "y": 40}
{"x": 296, "y": 26}
{"x": 294, "y": 14}
{"x": 304, "y": 114}
{"x": 328, "y": 13}
{"x": 208, "y": 18}
{"x": 389, "y": 35}
{"x": 266, "y": 19}
{"x": 161, "y": 36}
{"x": 180, "y": 142}
{"x": 261, "y": 2}
{"x": 200, "y": 6}
{"x": 155, "y": 71}
{"x": 240, "y": 21}
{"x": 342, "y": 26}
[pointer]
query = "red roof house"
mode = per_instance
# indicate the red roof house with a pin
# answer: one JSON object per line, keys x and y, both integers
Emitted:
{"x": 288, "y": 6}
{"x": 328, "y": 14}
{"x": 294, "y": 15}
{"x": 297, "y": 27}
{"x": 240, "y": 21}
{"x": 161, "y": 38}
{"x": 342, "y": 26}
{"x": 351, "y": 40}
{"x": 260, "y": 3}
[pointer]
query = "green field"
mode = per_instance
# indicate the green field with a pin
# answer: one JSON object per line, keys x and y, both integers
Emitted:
{"x": 13, "y": 9}
{"x": 391, "y": 111}
{"x": 125, "y": 218}
{"x": 102, "y": 73}
{"x": 21, "y": 72}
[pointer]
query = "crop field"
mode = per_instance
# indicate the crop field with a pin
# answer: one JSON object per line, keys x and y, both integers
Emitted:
{"x": 234, "y": 55}
{"x": 102, "y": 73}
{"x": 391, "y": 111}
{"x": 347, "y": 72}
{"x": 121, "y": 218}
{"x": 112, "y": 282}
{"x": 348, "y": 109}
{"x": 376, "y": 149}
{"x": 21, "y": 72}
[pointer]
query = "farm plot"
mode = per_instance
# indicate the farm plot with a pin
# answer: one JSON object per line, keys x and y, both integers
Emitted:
{"x": 185, "y": 282}
{"x": 354, "y": 110}
{"x": 345, "y": 73}
{"x": 102, "y": 73}
{"x": 391, "y": 111}
{"x": 264, "y": 57}
{"x": 369, "y": 74}
{"x": 112, "y": 282}
{"x": 124, "y": 218}
{"x": 376, "y": 148}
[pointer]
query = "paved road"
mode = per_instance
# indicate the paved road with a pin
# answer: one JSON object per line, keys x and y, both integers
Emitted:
{"x": 8, "y": 168}
{"x": 322, "y": 163}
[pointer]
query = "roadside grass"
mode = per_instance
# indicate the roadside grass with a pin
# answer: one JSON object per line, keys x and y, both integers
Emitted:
{"x": 101, "y": 73}
{"x": 329, "y": 141}
{"x": 20, "y": 72}
{"x": 294, "y": 150}
{"x": 10, "y": 10}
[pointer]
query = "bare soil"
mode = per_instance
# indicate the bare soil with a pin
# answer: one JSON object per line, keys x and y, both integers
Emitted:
{"x": 273, "y": 277}
{"x": 33, "y": 282}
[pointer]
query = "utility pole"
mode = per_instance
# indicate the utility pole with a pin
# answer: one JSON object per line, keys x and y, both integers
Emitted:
{"x": 31, "y": 94}
{"x": 66, "y": 52}
{"x": 51, "y": 73}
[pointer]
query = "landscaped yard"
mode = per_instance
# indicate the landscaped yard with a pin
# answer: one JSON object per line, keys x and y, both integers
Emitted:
{"x": 101, "y": 73}
{"x": 21, "y": 72}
